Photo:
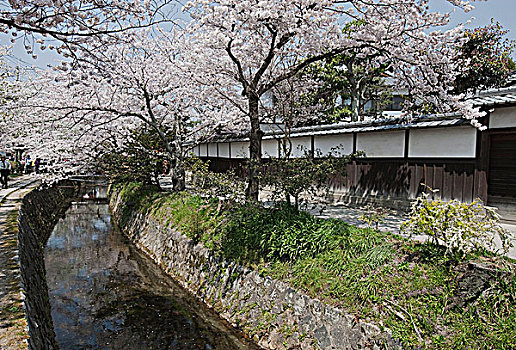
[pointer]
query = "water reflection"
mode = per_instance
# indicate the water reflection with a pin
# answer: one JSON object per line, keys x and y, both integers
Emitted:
{"x": 106, "y": 295}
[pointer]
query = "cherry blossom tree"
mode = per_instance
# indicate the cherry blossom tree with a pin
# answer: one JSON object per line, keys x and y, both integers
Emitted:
{"x": 72, "y": 23}
{"x": 138, "y": 81}
{"x": 246, "y": 47}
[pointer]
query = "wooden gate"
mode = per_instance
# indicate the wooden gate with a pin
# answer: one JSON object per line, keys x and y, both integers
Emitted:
{"x": 502, "y": 168}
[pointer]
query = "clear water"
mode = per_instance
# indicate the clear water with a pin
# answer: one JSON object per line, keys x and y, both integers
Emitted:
{"x": 105, "y": 294}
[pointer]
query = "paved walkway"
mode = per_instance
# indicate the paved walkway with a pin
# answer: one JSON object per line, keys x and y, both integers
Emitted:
{"x": 13, "y": 330}
{"x": 352, "y": 215}
{"x": 391, "y": 222}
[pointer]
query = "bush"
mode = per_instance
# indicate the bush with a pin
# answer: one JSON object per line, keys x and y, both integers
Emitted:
{"x": 225, "y": 186}
{"x": 290, "y": 177}
{"x": 460, "y": 227}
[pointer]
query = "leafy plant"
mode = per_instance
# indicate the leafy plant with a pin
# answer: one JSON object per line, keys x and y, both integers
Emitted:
{"x": 141, "y": 158}
{"x": 225, "y": 186}
{"x": 374, "y": 215}
{"x": 253, "y": 233}
{"x": 460, "y": 227}
{"x": 288, "y": 178}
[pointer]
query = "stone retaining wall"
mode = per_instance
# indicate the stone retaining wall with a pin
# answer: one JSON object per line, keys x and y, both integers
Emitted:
{"x": 271, "y": 312}
{"x": 39, "y": 212}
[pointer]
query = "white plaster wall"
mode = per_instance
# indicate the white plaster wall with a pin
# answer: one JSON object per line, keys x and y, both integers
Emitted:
{"x": 503, "y": 117}
{"x": 327, "y": 142}
{"x": 212, "y": 150}
{"x": 224, "y": 150}
{"x": 203, "y": 150}
{"x": 195, "y": 151}
{"x": 304, "y": 142}
{"x": 270, "y": 148}
{"x": 453, "y": 142}
{"x": 239, "y": 149}
{"x": 382, "y": 143}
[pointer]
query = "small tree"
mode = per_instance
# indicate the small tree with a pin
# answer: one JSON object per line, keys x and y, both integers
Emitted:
{"x": 140, "y": 158}
{"x": 227, "y": 186}
{"x": 486, "y": 57}
{"x": 288, "y": 178}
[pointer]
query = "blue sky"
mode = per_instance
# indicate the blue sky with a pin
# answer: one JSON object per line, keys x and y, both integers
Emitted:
{"x": 503, "y": 11}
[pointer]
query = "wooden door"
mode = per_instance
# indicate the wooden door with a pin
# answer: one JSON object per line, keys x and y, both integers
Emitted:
{"x": 502, "y": 168}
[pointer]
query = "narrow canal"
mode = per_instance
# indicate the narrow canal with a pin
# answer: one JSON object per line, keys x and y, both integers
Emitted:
{"x": 106, "y": 294}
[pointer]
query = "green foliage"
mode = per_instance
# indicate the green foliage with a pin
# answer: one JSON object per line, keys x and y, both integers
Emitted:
{"x": 226, "y": 185}
{"x": 487, "y": 59}
{"x": 460, "y": 227}
{"x": 310, "y": 174}
{"x": 252, "y": 234}
{"x": 374, "y": 215}
{"x": 348, "y": 81}
{"x": 192, "y": 215}
{"x": 135, "y": 196}
{"x": 139, "y": 159}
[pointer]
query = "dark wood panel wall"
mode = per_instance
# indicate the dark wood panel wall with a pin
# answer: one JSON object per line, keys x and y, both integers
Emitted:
{"x": 398, "y": 178}
{"x": 453, "y": 179}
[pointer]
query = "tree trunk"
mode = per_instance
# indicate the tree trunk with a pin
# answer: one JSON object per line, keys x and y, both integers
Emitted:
{"x": 354, "y": 93}
{"x": 255, "y": 147}
{"x": 355, "y": 103}
{"x": 178, "y": 175}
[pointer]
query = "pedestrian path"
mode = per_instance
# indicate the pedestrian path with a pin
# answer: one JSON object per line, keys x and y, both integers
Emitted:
{"x": 13, "y": 330}
{"x": 16, "y": 183}
{"x": 353, "y": 215}
{"x": 391, "y": 223}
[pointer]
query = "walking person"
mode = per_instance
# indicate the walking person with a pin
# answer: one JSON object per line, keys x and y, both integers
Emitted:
{"x": 5, "y": 170}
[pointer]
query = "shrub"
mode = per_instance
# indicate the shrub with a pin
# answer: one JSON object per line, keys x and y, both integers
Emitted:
{"x": 288, "y": 178}
{"x": 373, "y": 216}
{"x": 225, "y": 186}
{"x": 460, "y": 227}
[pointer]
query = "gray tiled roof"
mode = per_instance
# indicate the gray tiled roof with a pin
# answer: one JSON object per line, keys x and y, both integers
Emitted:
{"x": 497, "y": 96}
{"x": 492, "y": 100}
{"x": 382, "y": 125}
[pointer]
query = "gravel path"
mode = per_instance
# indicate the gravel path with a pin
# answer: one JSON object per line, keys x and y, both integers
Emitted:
{"x": 13, "y": 330}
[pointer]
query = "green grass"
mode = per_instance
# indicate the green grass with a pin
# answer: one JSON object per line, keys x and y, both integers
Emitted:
{"x": 405, "y": 286}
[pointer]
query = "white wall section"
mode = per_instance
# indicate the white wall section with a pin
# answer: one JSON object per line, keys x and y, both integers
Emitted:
{"x": 327, "y": 142}
{"x": 212, "y": 150}
{"x": 240, "y": 150}
{"x": 443, "y": 142}
{"x": 300, "y": 145}
{"x": 382, "y": 143}
{"x": 503, "y": 117}
{"x": 203, "y": 150}
{"x": 270, "y": 148}
{"x": 195, "y": 151}
{"x": 224, "y": 150}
